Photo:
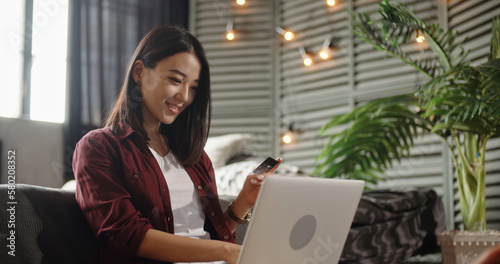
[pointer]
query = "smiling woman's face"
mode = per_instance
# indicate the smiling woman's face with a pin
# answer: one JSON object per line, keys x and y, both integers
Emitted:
{"x": 168, "y": 88}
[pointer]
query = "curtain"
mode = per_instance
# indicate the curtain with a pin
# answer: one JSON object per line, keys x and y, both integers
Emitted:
{"x": 102, "y": 37}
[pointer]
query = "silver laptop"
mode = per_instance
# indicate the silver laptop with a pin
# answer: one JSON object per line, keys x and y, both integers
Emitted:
{"x": 300, "y": 220}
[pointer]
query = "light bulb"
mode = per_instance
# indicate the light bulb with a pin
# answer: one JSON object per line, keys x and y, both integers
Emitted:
{"x": 240, "y": 2}
{"x": 323, "y": 54}
{"x": 307, "y": 61}
{"x": 229, "y": 30}
{"x": 230, "y": 35}
{"x": 288, "y": 35}
{"x": 287, "y": 138}
{"x": 330, "y": 2}
{"x": 420, "y": 38}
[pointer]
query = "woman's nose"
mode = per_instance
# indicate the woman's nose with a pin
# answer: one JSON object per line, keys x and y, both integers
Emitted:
{"x": 183, "y": 93}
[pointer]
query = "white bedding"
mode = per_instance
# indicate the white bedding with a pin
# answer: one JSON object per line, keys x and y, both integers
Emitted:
{"x": 230, "y": 178}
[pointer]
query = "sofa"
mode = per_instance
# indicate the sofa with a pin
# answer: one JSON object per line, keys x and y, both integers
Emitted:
{"x": 45, "y": 225}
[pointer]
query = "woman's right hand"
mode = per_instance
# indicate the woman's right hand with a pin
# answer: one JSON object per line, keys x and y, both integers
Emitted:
{"x": 232, "y": 252}
{"x": 186, "y": 249}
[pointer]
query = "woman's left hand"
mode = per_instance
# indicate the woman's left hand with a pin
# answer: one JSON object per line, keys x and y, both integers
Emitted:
{"x": 248, "y": 194}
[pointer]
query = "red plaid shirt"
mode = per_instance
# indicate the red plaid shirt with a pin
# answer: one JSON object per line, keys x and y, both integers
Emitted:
{"x": 123, "y": 193}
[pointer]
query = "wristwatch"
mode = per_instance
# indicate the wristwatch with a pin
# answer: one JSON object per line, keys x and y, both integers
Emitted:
{"x": 236, "y": 218}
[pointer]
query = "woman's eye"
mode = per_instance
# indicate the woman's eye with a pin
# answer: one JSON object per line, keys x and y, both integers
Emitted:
{"x": 176, "y": 80}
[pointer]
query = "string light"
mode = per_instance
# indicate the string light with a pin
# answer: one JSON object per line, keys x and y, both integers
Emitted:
{"x": 291, "y": 135}
{"x": 306, "y": 59}
{"x": 229, "y": 31}
{"x": 288, "y": 35}
{"x": 325, "y": 51}
{"x": 287, "y": 137}
{"x": 420, "y": 39}
{"x": 230, "y": 35}
{"x": 323, "y": 54}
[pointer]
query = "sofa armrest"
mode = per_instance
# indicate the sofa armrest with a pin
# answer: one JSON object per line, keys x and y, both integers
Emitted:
{"x": 47, "y": 226}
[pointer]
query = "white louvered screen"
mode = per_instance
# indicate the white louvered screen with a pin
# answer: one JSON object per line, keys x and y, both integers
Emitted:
{"x": 243, "y": 80}
{"x": 241, "y": 70}
{"x": 311, "y": 95}
{"x": 355, "y": 74}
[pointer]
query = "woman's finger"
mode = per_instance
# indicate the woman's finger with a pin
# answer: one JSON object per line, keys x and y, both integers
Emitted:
{"x": 277, "y": 165}
{"x": 257, "y": 178}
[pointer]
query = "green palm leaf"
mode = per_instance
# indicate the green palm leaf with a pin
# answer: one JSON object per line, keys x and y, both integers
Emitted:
{"x": 495, "y": 40}
{"x": 398, "y": 26}
{"x": 378, "y": 133}
{"x": 466, "y": 94}
{"x": 460, "y": 103}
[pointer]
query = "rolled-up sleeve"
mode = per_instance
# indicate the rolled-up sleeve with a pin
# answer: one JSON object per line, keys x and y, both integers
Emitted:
{"x": 103, "y": 197}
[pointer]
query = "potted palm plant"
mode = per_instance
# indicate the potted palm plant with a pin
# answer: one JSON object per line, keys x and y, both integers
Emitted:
{"x": 460, "y": 103}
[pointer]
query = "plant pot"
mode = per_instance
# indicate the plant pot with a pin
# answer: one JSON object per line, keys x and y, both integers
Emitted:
{"x": 463, "y": 247}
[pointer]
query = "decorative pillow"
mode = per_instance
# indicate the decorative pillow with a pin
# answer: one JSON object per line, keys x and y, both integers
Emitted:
{"x": 221, "y": 148}
{"x": 69, "y": 185}
{"x": 230, "y": 178}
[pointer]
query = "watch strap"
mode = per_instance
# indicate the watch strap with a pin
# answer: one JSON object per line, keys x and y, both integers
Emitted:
{"x": 235, "y": 218}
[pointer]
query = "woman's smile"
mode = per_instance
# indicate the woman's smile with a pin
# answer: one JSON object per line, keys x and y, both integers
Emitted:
{"x": 174, "y": 108}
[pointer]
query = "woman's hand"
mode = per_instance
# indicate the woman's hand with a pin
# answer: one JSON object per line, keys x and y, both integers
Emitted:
{"x": 232, "y": 253}
{"x": 186, "y": 249}
{"x": 248, "y": 195}
{"x": 251, "y": 187}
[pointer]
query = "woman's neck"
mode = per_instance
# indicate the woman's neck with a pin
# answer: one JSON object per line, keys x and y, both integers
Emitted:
{"x": 156, "y": 141}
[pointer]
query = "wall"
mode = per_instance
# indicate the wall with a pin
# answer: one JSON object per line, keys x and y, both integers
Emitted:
{"x": 39, "y": 151}
{"x": 308, "y": 97}
{"x": 241, "y": 70}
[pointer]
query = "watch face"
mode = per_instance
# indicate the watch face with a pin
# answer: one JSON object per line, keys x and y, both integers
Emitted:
{"x": 236, "y": 218}
{"x": 246, "y": 219}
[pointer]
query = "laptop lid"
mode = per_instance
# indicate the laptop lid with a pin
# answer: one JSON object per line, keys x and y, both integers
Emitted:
{"x": 300, "y": 220}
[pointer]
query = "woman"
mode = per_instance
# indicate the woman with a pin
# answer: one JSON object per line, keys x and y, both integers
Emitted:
{"x": 144, "y": 183}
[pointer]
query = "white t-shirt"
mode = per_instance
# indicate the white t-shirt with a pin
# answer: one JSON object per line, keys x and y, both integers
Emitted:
{"x": 187, "y": 209}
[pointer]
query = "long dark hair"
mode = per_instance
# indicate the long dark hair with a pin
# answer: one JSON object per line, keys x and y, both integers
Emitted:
{"x": 187, "y": 135}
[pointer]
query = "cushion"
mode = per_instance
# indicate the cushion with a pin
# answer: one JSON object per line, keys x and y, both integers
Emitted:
{"x": 69, "y": 185}
{"x": 221, "y": 148}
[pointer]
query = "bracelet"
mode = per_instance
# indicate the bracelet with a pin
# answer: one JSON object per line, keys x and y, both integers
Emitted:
{"x": 236, "y": 218}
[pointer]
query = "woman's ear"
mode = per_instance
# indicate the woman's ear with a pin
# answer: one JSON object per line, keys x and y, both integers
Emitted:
{"x": 137, "y": 70}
